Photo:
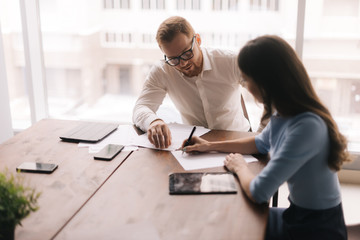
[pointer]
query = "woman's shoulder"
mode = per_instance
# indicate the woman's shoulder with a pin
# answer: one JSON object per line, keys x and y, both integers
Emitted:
{"x": 308, "y": 116}
{"x": 309, "y": 121}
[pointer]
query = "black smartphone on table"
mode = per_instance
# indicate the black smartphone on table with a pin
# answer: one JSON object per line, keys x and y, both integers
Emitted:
{"x": 108, "y": 152}
{"x": 37, "y": 167}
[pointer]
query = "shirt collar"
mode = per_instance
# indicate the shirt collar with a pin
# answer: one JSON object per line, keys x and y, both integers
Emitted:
{"x": 206, "y": 61}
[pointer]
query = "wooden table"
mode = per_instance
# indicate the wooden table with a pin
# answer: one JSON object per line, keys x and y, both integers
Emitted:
{"x": 126, "y": 198}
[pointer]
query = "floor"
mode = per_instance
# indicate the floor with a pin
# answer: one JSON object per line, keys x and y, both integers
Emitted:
{"x": 350, "y": 200}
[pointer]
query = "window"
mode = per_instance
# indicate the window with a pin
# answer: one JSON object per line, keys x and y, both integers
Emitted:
{"x": 188, "y": 4}
{"x": 255, "y": 5}
{"x": 124, "y": 4}
{"x": 119, "y": 4}
{"x": 95, "y": 59}
{"x": 272, "y": 5}
{"x": 153, "y": 4}
{"x": 117, "y": 80}
{"x": 125, "y": 81}
{"x": 268, "y": 5}
{"x": 346, "y": 8}
{"x": 332, "y": 57}
{"x": 114, "y": 39}
{"x": 222, "y": 5}
{"x": 12, "y": 37}
{"x": 224, "y": 40}
{"x": 355, "y": 97}
{"x": 148, "y": 40}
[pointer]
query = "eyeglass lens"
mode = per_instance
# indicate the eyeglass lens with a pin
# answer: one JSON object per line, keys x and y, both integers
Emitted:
{"x": 184, "y": 56}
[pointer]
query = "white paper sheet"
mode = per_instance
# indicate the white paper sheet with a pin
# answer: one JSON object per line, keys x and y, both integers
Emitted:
{"x": 124, "y": 135}
{"x": 127, "y": 136}
{"x": 204, "y": 160}
{"x": 179, "y": 133}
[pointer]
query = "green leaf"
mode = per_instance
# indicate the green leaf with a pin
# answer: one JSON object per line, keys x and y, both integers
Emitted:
{"x": 17, "y": 200}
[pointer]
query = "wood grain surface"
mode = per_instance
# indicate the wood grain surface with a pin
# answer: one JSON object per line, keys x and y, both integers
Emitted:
{"x": 64, "y": 191}
{"x": 135, "y": 203}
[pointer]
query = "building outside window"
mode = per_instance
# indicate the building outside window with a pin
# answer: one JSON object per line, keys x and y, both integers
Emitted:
{"x": 188, "y": 4}
{"x": 152, "y": 4}
{"x": 332, "y": 56}
{"x": 97, "y": 60}
{"x": 116, "y": 4}
{"x": 223, "y": 5}
{"x": 267, "y": 5}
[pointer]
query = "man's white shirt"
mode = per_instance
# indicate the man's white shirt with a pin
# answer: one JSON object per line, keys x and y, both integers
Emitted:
{"x": 212, "y": 99}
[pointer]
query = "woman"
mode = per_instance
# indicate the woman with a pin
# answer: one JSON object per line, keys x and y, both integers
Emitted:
{"x": 305, "y": 146}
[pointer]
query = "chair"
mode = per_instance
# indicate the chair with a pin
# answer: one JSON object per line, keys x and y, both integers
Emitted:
{"x": 275, "y": 199}
{"x": 353, "y": 232}
{"x": 246, "y": 115}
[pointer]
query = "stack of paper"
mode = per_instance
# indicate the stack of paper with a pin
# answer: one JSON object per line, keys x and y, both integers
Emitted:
{"x": 127, "y": 136}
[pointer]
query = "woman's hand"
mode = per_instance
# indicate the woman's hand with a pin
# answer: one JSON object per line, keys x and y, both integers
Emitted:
{"x": 234, "y": 162}
{"x": 197, "y": 144}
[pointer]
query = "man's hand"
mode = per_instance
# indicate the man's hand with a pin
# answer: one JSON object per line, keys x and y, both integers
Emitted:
{"x": 159, "y": 134}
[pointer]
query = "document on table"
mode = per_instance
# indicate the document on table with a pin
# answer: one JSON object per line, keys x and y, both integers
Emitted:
{"x": 179, "y": 133}
{"x": 127, "y": 136}
{"x": 124, "y": 135}
{"x": 204, "y": 160}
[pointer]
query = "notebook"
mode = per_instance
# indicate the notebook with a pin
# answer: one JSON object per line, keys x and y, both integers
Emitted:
{"x": 91, "y": 132}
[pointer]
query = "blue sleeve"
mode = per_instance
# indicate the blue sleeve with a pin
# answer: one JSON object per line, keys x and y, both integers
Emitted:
{"x": 300, "y": 143}
{"x": 262, "y": 141}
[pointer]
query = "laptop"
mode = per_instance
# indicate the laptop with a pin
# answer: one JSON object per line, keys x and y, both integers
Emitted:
{"x": 90, "y": 132}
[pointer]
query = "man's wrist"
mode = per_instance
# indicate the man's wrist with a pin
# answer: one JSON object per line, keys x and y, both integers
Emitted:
{"x": 156, "y": 120}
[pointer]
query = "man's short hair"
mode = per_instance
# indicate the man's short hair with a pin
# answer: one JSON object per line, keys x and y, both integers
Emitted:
{"x": 171, "y": 27}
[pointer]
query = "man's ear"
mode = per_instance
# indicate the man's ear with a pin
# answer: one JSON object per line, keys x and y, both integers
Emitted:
{"x": 198, "y": 38}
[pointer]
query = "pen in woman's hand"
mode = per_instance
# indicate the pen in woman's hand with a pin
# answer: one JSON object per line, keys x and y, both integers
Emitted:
{"x": 187, "y": 143}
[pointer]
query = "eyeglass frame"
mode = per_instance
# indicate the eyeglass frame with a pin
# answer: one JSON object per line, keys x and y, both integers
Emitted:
{"x": 180, "y": 56}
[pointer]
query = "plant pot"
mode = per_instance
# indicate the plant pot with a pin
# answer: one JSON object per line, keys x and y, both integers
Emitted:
{"x": 7, "y": 231}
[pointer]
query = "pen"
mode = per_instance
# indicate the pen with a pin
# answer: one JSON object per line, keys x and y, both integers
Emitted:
{"x": 187, "y": 143}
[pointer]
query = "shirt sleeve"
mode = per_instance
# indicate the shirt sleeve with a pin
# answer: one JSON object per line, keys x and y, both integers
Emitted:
{"x": 262, "y": 141}
{"x": 302, "y": 142}
{"x": 150, "y": 99}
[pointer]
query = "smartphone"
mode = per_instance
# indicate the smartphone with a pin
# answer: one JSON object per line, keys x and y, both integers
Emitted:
{"x": 37, "y": 167}
{"x": 108, "y": 152}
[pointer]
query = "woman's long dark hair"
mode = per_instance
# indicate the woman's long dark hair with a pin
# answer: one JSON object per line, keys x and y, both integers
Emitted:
{"x": 285, "y": 85}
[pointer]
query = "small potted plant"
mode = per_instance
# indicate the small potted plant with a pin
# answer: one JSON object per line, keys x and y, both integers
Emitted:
{"x": 16, "y": 202}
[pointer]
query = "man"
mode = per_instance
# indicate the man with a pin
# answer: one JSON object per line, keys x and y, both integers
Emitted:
{"x": 204, "y": 85}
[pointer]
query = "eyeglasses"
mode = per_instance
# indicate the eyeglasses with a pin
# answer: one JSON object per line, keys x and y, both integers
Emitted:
{"x": 184, "y": 56}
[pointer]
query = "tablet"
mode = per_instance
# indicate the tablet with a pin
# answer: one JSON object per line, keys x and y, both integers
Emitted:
{"x": 202, "y": 183}
{"x": 90, "y": 132}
